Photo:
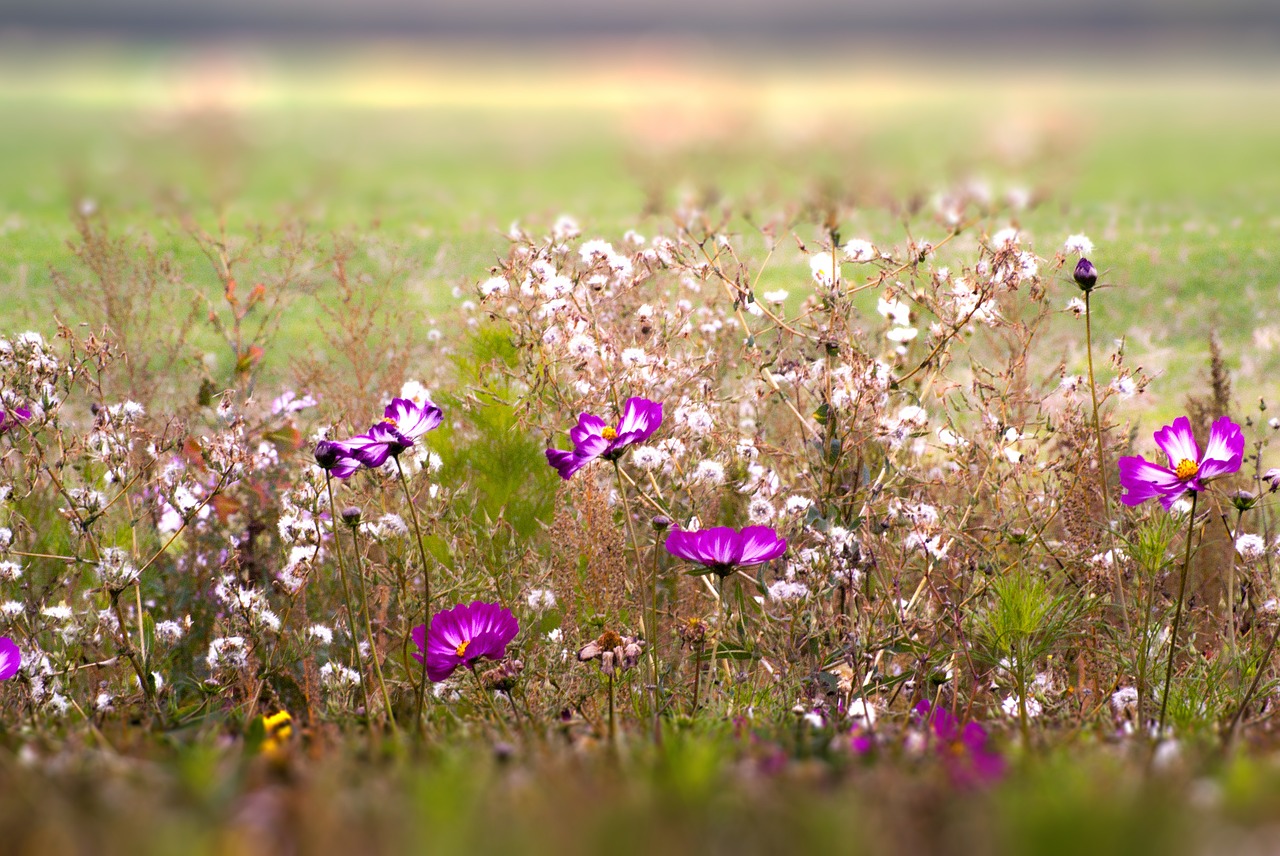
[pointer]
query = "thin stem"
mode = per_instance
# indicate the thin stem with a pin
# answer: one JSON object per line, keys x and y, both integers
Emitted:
{"x": 426, "y": 587}
{"x": 697, "y": 674}
{"x": 1231, "y": 595}
{"x": 1253, "y": 687}
{"x": 368, "y": 629}
{"x": 1177, "y": 615}
{"x": 613, "y": 742}
{"x": 346, "y": 593}
{"x": 1102, "y": 466}
{"x": 654, "y": 653}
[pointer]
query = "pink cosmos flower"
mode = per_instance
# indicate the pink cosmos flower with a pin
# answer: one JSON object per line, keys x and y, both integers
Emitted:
{"x": 1188, "y": 469}
{"x": 403, "y": 421}
{"x": 10, "y": 658}
{"x": 462, "y": 635}
{"x": 721, "y": 550}
{"x": 965, "y": 752}
{"x": 594, "y": 438}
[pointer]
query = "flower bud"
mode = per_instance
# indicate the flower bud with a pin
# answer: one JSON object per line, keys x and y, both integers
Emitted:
{"x": 351, "y": 516}
{"x": 661, "y": 522}
{"x": 1086, "y": 275}
{"x": 1243, "y": 500}
{"x": 328, "y": 454}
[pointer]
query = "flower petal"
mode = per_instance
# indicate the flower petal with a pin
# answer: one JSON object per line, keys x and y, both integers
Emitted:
{"x": 10, "y": 658}
{"x": 760, "y": 544}
{"x": 1178, "y": 442}
{"x": 1224, "y": 452}
{"x": 565, "y": 463}
{"x": 1143, "y": 480}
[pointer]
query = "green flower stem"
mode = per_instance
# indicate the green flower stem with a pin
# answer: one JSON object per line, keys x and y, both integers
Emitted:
{"x": 1177, "y": 615}
{"x": 346, "y": 593}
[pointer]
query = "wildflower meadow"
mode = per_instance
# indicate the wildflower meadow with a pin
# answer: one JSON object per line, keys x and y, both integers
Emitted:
{"x": 366, "y": 489}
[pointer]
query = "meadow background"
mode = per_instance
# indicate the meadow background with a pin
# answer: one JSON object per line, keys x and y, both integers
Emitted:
{"x": 417, "y": 158}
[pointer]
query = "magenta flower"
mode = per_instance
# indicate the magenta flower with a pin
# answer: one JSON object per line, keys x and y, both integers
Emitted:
{"x": 10, "y": 658}
{"x": 462, "y": 635}
{"x": 403, "y": 422}
{"x": 1188, "y": 469}
{"x": 593, "y": 438}
{"x": 336, "y": 458}
{"x": 965, "y": 752}
{"x": 722, "y": 550}
{"x": 12, "y": 417}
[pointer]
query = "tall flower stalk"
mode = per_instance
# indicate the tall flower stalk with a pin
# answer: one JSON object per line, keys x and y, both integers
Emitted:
{"x": 1177, "y": 615}
{"x": 346, "y": 586}
{"x": 426, "y": 584}
{"x": 1086, "y": 276}
{"x": 353, "y": 520}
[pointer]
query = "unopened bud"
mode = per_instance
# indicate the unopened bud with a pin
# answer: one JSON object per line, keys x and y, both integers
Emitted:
{"x": 661, "y": 522}
{"x": 351, "y": 515}
{"x": 1086, "y": 275}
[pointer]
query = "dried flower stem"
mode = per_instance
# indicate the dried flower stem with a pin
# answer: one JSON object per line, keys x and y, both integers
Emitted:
{"x": 368, "y": 629}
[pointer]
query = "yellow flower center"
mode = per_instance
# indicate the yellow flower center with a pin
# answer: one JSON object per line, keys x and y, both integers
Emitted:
{"x": 461, "y": 650}
{"x": 1186, "y": 469}
{"x": 609, "y": 433}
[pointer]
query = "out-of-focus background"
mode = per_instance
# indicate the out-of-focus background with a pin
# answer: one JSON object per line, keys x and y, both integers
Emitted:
{"x": 430, "y": 128}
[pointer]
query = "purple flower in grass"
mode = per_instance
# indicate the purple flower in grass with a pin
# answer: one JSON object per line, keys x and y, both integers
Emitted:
{"x": 1188, "y": 469}
{"x": 403, "y": 422}
{"x": 722, "y": 550}
{"x": 966, "y": 752}
{"x": 594, "y": 438}
{"x": 462, "y": 635}
{"x": 1085, "y": 275}
{"x": 10, "y": 658}
{"x": 336, "y": 458}
{"x": 12, "y": 416}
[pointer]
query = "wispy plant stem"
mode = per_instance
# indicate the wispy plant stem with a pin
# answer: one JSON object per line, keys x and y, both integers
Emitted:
{"x": 368, "y": 629}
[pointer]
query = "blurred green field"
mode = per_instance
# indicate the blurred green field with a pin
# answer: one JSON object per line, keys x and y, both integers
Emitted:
{"x": 429, "y": 154}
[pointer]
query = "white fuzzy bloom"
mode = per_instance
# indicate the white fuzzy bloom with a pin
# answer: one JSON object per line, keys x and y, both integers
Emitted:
{"x": 541, "y": 599}
{"x": 1251, "y": 547}
{"x": 901, "y": 334}
{"x": 894, "y": 310}
{"x": 1124, "y": 387}
{"x": 1076, "y": 307}
{"x": 647, "y": 457}
{"x": 10, "y": 571}
{"x": 115, "y": 570}
{"x": 1123, "y": 699}
{"x": 859, "y": 250}
{"x": 775, "y": 297}
{"x": 1011, "y": 707}
{"x": 1078, "y": 244}
{"x": 645, "y": 312}
{"x": 785, "y": 590}
{"x": 494, "y": 285}
{"x": 170, "y": 632}
{"x": 797, "y": 504}
{"x": 581, "y": 347}
{"x": 335, "y": 677}
{"x": 1005, "y": 239}
{"x": 321, "y": 634}
{"x": 12, "y": 608}
{"x": 6, "y": 539}
{"x": 227, "y": 652}
{"x": 825, "y": 271}
{"x": 393, "y": 524}
{"x": 61, "y": 612}
{"x": 632, "y": 357}
{"x": 760, "y": 510}
{"x": 697, "y": 419}
{"x": 709, "y": 472}
{"x": 862, "y": 713}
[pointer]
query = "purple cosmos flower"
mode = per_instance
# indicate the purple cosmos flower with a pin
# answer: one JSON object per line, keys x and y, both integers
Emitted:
{"x": 336, "y": 458}
{"x": 593, "y": 438}
{"x": 1188, "y": 469}
{"x": 402, "y": 422}
{"x": 723, "y": 549}
{"x": 12, "y": 417}
{"x": 462, "y": 635}
{"x": 10, "y": 658}
{"x": 965, "y": 752}
{"x": 1086, "y": 275}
